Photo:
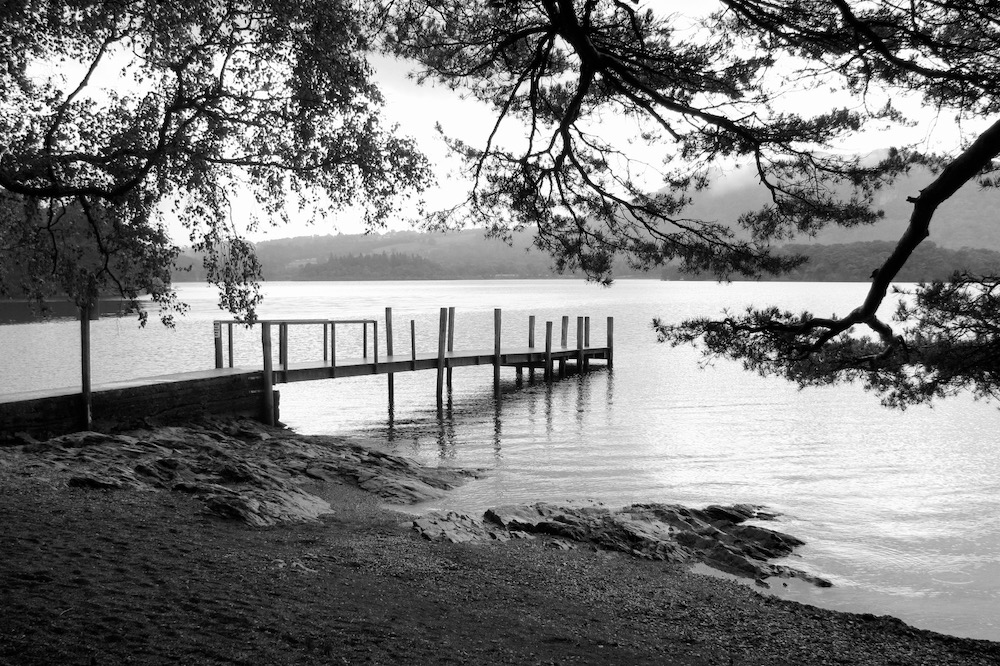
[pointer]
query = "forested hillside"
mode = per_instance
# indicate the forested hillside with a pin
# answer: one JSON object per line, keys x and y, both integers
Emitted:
{"x": 468, "y": 255}
{"x": 854, "y": 262}
{"x": 397, "y": 255}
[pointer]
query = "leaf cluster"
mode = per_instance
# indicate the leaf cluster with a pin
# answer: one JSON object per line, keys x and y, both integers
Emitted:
{"x": 133, "y": 113}
{"x": 949, "y": 342}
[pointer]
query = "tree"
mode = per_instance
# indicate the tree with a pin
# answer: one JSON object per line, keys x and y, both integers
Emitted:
{"x": 115, "y": 115}
{"x": 707, "y": 93}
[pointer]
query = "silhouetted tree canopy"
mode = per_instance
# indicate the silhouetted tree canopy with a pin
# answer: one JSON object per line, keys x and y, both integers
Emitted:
{"x": 114, "y": 115}
{"x": 690, "y": 96}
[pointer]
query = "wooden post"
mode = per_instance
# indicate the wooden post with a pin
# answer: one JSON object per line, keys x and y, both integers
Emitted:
{"x": 586, "y": 342}
{"x": 265, "y": 339}
{"x": 388, "y": 352}
{"x": 413, "y": 344}
{"x": 375, "y": 344}
{"x": 563, "y": 341}
{"x": 364, "y": 340}
{"x": 531, "y": 345}
{"x": 451, "y": 341}
{"x": 496, "y": 353}
{"x": 283, "y": 350}
{"x": 87, "y": 415}
{"x": 326, "y": 342}
{"x": 579, "y": 344}
{"x": 548, "y": 352}
{"x": 230, "y": 326}
{"x": 611, "y": 341}
{"x": 217, "y": 330}
{"x": 442, "y": 345}
{"x": 333, "y": 349}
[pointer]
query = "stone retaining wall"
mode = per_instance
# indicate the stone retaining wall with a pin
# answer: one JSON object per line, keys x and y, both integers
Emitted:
{"x": 239, "y": 394}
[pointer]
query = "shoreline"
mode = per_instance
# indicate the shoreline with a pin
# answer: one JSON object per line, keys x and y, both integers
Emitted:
{"x": 113, "y": 573}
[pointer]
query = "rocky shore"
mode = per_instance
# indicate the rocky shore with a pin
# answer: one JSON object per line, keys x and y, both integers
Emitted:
{"x": 239, "y": 468}
{"x": 226, "y": 541}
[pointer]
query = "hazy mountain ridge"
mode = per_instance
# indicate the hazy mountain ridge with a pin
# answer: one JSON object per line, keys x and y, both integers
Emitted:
{"x": 855, "y": 262}
{"x": 970, "y": 219}
{"x": 465, "y": 254}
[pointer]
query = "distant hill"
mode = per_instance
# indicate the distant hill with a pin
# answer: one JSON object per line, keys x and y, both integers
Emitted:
{"x": 398, "y": 255}
{"x": 971, "y": 218}
{"x": 854, "y": 262}
{"x": 379, "y": 266}
{"x": 460, "y": 254}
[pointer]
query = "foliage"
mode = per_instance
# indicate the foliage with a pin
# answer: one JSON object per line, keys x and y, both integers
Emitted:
{"x": 949, "y": 342}
{"x": 560, "y": 68}
{"x": 116, "y": 116}
{"x": 706, "y": 93}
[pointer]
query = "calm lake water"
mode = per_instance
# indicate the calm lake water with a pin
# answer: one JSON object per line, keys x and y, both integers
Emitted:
{"x": 899, "y": 509}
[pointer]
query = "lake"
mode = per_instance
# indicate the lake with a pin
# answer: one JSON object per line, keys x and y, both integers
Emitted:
{"x": 899, "y": 509}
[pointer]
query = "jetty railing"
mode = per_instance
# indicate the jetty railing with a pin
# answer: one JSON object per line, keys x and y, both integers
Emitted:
{"x": 553, "y": 361}
{"x": 329, "y": 337}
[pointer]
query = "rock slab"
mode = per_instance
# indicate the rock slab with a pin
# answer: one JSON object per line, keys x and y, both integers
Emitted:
{"x": 241, "y": 469}
{"x": 718, "y": 536}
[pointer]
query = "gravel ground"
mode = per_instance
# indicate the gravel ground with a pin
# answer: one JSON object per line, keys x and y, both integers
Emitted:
{"x": 91, "y": 576}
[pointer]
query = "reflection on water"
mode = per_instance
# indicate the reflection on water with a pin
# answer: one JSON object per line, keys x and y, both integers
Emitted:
{"x": 897, "y": 508}
{"x": 27, "y": 312}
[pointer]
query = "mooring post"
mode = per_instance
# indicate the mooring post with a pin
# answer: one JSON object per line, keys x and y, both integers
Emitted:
{"x": 611, "y": 341}
{"x": 442, "y": 346}
{"x": 563, "y": 341}
{"x": 531, "y": 345}
{"x": 333, "y": 349}
{"x": 548, "y": 352}
{"x": 586, "y": 342}
{"x": 265, "y": 339}
{"x": 413, "y": 344}
{"x": 85, "y": 392}
{"x": 388, "y": 352}
{"x": 217, "y": 331}
{"x": 579, "y": 344}
{"x": 283, "y": 350}
{"x": 230, "y": 325}
{"x": 451, "y": 341}
{"x": 496, "y": 353}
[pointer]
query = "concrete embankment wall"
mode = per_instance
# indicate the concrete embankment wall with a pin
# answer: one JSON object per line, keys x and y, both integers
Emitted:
{"x": 129, "y": 403}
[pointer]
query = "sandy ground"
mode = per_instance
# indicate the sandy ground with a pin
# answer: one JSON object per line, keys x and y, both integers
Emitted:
{"x": 97, "y": 576}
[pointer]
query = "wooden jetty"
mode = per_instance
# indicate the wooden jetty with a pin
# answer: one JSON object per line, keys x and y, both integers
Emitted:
{"x": 550, "y": 359}
{"x": 250, "y": 390}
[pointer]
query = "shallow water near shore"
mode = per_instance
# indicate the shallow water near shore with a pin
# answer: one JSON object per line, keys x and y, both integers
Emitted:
{"x": 898, "y": 508}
